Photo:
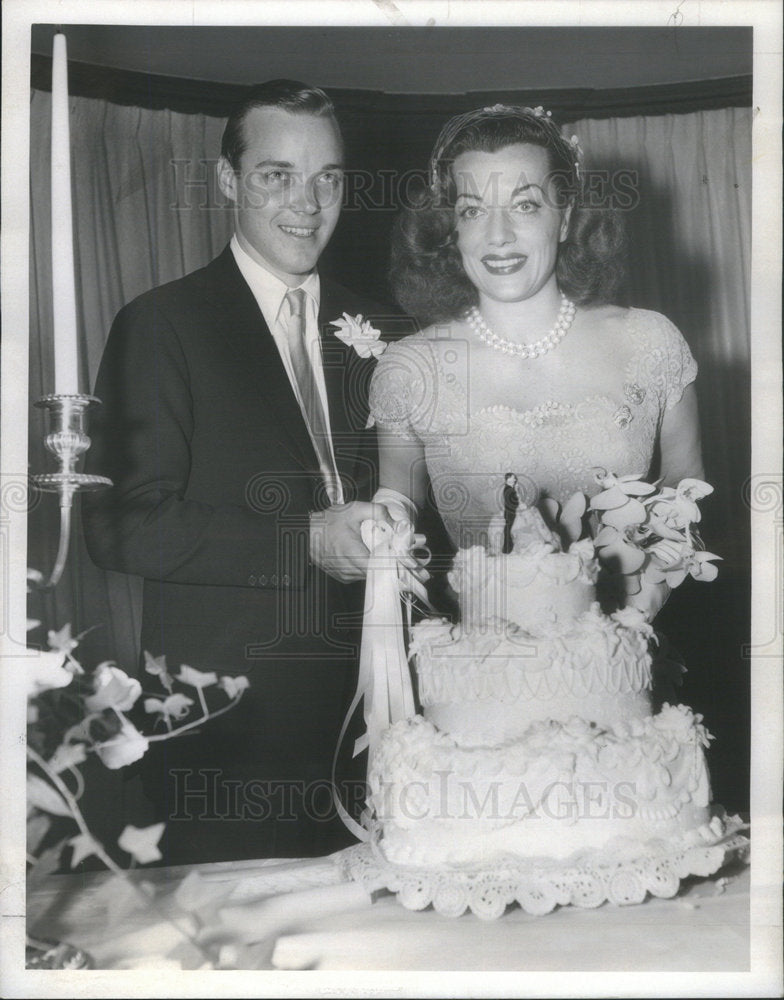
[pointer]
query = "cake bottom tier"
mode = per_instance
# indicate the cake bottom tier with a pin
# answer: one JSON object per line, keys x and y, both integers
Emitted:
{"x": 588, "y": 879}
{"x": 559, "y": 788}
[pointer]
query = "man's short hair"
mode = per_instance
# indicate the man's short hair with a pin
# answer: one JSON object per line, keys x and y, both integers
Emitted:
{"x": 289, "y": 95}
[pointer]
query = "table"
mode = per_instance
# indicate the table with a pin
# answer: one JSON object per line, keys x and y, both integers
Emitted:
{"x": 306, "y": 918}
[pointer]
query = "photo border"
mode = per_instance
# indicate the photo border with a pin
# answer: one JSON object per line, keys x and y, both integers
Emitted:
{"x": 765, "y": 975}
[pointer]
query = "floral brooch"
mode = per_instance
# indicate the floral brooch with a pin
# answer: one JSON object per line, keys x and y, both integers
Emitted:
{"x": 357, "y": 332}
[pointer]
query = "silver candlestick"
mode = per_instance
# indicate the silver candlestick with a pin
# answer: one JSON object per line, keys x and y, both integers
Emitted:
{"x": 66, "y": 438}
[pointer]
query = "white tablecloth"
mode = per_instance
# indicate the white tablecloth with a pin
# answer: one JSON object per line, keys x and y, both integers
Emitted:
{"x": 296, "y": 915}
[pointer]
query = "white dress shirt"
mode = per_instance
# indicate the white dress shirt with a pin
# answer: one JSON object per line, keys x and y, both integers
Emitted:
{"x": 270, "y": 294}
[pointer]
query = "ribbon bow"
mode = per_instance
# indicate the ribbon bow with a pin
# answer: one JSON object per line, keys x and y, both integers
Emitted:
{"x": 384, "y": 683}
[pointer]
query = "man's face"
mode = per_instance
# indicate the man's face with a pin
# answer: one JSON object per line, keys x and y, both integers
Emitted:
{"x": 287, "y": 191}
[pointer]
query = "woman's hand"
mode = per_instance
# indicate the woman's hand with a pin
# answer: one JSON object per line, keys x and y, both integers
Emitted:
{"x": 650, "y": 598}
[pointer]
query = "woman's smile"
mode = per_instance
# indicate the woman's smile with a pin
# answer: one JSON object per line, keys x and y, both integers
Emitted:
{"x": 502, "y": 265}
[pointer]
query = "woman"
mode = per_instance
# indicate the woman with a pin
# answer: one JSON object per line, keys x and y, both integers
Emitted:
{"x": 527, "y": 365}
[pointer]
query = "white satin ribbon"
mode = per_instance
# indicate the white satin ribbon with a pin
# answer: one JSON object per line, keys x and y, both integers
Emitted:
{"x": 384, "y": 683}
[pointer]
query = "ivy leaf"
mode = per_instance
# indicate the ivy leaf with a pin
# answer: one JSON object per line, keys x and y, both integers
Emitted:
{"x": 156, "y": 665}
{"x": 62, "y": 640}
{"x": 196, "y": 678}
{"x": 234, "y": 686}
{"x": 142, "y": 843}
{"x": 176, "y": 706}
{"x": 83, "y": 847}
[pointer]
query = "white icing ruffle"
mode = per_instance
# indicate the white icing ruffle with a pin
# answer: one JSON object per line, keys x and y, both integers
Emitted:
{"x": 593, "y": 655}
{"x": 539, "y": 885}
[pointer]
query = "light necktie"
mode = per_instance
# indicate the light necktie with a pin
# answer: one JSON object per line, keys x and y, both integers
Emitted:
{"x": 308, "y": 391}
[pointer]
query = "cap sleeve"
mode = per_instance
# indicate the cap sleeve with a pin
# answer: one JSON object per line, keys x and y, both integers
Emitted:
{"x": 680, "y": 366}
{"x": 400, "y": 384}
{"x": 662, "y": 360}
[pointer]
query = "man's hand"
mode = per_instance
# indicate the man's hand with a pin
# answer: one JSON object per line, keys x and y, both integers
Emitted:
{"x": 335, "y": 542}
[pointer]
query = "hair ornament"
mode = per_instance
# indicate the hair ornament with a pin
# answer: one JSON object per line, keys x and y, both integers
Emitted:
{"x": 574, "y": 142}
{"x": 459, "y": 123}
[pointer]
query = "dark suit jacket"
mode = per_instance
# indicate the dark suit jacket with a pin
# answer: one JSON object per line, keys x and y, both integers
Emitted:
{"x": 214, "y": 477}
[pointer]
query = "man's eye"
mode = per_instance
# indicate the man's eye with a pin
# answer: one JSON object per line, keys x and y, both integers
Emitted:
{"x": 278, "y": 177}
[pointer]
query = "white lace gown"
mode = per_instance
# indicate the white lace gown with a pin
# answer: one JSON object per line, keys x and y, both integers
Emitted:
{"x": 604, "y": 414}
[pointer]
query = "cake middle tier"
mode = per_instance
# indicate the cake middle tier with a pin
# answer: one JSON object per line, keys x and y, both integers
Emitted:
{"x": 487, "y": 685}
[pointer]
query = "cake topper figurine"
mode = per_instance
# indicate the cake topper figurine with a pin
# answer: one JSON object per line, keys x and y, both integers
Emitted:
{"x": 519, "y": 524}
{"x": 511, "y": 505}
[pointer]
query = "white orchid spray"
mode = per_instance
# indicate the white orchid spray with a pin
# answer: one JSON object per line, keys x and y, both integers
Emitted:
{"x": 648, "y": 531}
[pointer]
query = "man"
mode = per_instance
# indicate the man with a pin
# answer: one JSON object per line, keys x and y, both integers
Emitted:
{"x": 234, "y": 427}
{"x": 511, "y": 503}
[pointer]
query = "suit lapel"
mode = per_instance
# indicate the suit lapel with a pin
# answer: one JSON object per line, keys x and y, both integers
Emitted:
{"x": 346, "y": 376}
{"x": 242, "y": 324}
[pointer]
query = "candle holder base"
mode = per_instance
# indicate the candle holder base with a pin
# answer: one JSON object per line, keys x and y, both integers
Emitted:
{"x": 59, "y": 482}
{"x": 66, "y": 438}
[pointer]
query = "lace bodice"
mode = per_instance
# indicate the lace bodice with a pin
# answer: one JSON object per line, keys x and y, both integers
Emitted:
{"x": 421, "y": 390}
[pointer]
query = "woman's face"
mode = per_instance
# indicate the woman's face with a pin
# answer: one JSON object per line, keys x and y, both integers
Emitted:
{"x": 508, "y": 223}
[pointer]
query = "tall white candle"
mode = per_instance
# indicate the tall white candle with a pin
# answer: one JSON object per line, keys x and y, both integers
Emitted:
{"x": 66, "y": 352}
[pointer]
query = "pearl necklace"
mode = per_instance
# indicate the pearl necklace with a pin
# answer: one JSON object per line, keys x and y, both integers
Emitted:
{"x": 538, "y": 347}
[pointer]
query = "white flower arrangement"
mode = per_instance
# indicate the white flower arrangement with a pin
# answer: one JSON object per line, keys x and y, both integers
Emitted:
{"x": 643, "y": 534}
{"x": 69, "y": 721}
{"x": 357, "y": 332}
{"x": 649, "y": 530}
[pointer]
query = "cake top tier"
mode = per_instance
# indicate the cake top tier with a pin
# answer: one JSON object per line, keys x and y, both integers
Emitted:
{"x": 533, "y": 586}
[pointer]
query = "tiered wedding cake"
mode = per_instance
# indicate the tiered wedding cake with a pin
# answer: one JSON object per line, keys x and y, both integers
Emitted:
{"x": 537, "y": 771}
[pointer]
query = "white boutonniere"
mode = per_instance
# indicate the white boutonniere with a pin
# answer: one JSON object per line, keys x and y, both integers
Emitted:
{"x": 358, "y": 333}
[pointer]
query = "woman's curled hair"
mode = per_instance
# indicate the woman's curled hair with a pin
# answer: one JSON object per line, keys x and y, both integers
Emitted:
{"x": 429, "y": 281}
{"x": 427, "y": 274}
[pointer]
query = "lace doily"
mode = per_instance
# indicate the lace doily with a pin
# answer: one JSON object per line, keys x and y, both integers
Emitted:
{"x": 540, "y": 885}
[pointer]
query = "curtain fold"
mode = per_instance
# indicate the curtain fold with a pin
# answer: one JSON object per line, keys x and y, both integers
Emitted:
{"x": 690, "y": 238}
{"x": 147, "y": 210}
